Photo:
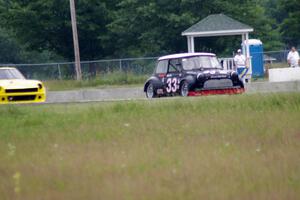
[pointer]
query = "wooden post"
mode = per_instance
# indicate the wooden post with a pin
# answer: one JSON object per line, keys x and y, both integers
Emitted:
{"x": 59, "y": 72}
{"x": 75, "y": 40}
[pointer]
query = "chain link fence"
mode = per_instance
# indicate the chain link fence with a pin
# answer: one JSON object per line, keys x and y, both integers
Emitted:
{"x": 276, "y": 59}
{"x": 134, "y": 66}
{"x": 90, "y": 69}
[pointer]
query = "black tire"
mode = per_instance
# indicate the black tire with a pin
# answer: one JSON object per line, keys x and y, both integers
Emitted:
{"x": 184, "y": 89}
{"x": 150, "y": 93}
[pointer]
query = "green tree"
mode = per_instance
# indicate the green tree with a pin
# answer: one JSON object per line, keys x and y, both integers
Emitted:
{"x": 45, "y": 24}
{"x": 153, "y": 27}
{"x": 125, "y": 28}
{"x": 290, "y": 25}
{"x": 10, "y": 51}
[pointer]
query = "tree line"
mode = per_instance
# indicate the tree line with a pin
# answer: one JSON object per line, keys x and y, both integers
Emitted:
{"x": 40, "y": 30}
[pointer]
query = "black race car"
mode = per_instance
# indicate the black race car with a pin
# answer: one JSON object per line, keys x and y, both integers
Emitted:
{"x": 191, "y": 74}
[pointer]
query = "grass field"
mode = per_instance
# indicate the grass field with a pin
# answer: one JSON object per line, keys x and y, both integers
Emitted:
{"x": 219, "y": 147}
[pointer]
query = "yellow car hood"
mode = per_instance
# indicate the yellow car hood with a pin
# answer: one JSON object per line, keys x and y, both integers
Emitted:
{"x": 19, "y": 84}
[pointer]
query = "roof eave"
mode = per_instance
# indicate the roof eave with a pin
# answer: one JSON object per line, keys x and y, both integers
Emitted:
{"x": 217, "y": 33}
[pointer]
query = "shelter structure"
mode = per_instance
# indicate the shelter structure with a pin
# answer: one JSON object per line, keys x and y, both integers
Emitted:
{"x": 218, "y": 25}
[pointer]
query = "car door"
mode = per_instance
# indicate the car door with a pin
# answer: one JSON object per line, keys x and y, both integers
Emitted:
{"x": 160, "y": 74}
{"x": 172, "y": 79}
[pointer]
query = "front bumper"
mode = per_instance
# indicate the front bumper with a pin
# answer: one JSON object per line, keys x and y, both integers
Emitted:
{"x": 28, "y": 97}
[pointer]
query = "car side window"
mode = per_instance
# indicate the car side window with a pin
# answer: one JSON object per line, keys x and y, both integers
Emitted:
{"x": 172, "y": 69}
{"x": 174, "y": 65}
{"x": 162, "y": 67}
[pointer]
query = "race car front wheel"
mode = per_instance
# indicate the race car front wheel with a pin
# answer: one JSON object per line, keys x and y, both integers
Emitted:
{"x": 184, "y": 89}
{"x": 150, "y": 91}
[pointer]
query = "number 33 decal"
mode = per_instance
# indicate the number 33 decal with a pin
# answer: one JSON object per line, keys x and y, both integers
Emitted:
{"x": 172, "y": 85}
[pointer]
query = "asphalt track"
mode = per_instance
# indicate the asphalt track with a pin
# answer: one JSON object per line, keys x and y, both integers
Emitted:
{"x": 136, "y": 93}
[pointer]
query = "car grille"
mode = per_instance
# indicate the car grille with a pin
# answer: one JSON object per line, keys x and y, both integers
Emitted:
{"x": 219, "y": 76}
{"x": 217, "y": 83}
{"x": 21, "y": 98}
{"x": 21, "y": 90}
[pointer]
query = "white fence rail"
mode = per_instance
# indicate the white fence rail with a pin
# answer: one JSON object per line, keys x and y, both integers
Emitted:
{"x": 227, "y": 63}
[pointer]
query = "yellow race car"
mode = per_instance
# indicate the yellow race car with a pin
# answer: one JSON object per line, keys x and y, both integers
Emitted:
{"x": 14, "y": 88}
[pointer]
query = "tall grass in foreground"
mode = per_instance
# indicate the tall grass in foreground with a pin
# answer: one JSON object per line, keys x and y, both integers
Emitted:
{"x": 109, "y": 79}
{"x": 218, "y": 147}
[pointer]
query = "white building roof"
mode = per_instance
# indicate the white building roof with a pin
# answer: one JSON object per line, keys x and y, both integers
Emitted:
{"x": 217, "y": 25}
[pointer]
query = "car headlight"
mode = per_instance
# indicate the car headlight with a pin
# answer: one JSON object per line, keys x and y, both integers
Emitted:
{"x": 234, "y": 76}
{"x": 233, "y": 73}
{"x": 40, "y": 86}
{"x": 201, "y": 77}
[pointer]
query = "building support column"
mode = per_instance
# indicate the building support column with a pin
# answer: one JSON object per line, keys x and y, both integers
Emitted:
{"x": 192, "y": 44}
{"x": 248, "y": 57}
{"x": 244, "y": 44}
{"x": 247, "y": 46}
{"x": 189, "y": 43}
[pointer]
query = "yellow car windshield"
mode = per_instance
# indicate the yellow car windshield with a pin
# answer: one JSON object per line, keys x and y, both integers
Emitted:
{"x": 10, "y": 74}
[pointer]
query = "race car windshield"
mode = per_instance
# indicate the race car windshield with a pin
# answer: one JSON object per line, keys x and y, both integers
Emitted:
{"x": 10, "y": 74}
{"x": 200, "y": 62}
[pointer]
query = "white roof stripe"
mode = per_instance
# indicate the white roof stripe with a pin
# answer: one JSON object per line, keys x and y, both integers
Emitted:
{"x": 182, "y": 55}
{"x": 7, "y": 68}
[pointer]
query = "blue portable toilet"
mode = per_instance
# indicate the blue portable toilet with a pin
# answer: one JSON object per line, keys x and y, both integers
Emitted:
{"x": 257, "y": 57}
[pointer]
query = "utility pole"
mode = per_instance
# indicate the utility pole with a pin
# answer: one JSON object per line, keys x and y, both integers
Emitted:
{"x": 75, "y": 41}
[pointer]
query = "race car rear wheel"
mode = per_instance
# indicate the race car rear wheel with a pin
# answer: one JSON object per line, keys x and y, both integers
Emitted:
{"x": 184, "y": 89}
{"x": 150, "y": 91}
